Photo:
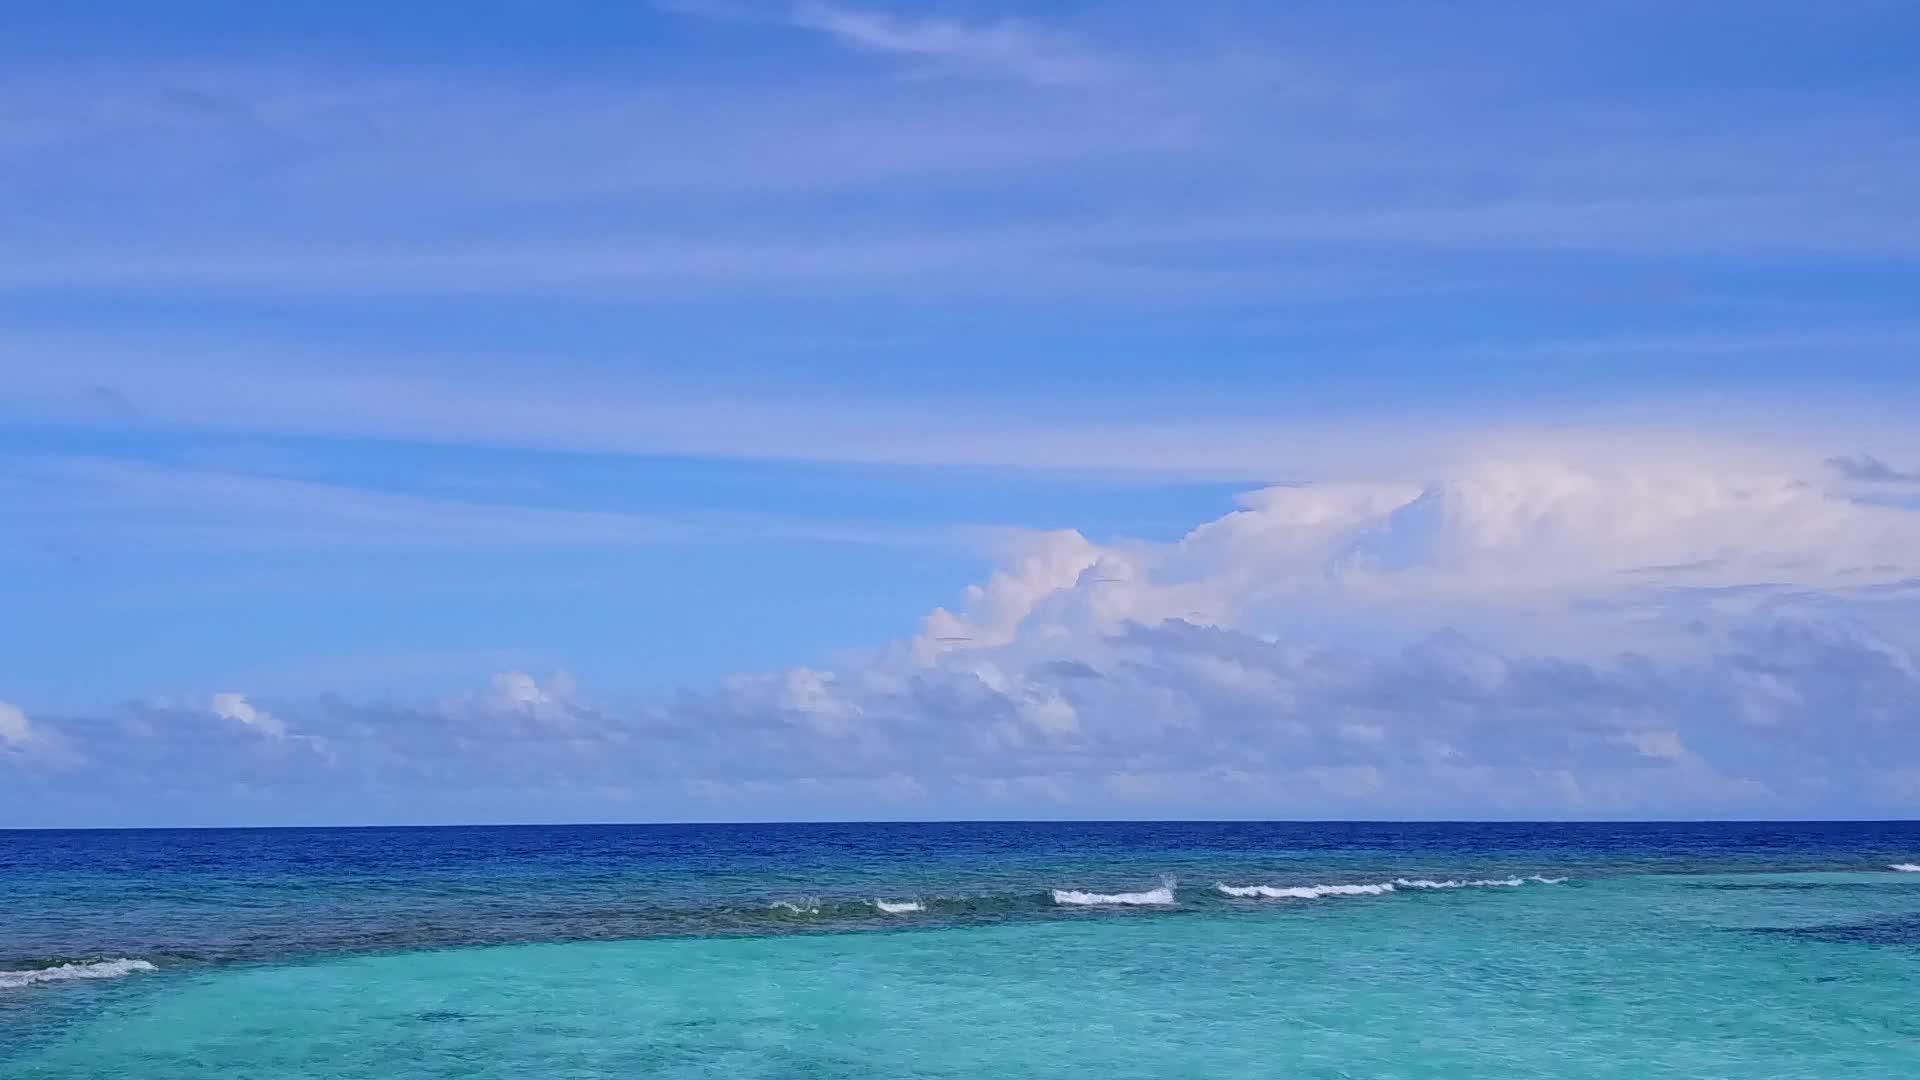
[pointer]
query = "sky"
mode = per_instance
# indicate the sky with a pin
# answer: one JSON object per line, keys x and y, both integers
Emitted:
{"x": 715, "y": 410}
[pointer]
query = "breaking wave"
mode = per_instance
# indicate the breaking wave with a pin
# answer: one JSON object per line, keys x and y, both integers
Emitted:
{"x": 1379, "y": 888}
{"x": 1302, "y": 892}
{"x": 1477, "y": 883}
{"x": 1906, "y": 867}
{"x": 99, "y": 969}
{"x": 1159, "y": 897}
{"x": 797, "y": 913}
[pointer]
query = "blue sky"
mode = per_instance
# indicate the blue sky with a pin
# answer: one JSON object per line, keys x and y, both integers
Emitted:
{"x": 747, "y": 410}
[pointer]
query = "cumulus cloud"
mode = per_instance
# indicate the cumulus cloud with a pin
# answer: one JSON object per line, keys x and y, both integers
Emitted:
{"x": 1360, "y": 649}
{"x": 236, "y": 707}
{"x": 1172, "y": 718}
{"x": 15, "y": 729}
{"x": 520, "y": 691}
{"x": 519, "y": 702}
{"x": 1513, "y": 534}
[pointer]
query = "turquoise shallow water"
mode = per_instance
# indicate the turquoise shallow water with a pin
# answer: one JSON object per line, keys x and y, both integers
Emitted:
{"x": 1742, "y": 965}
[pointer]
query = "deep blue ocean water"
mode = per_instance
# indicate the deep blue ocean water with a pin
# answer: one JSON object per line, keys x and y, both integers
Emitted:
{"x": 964, "y": 950}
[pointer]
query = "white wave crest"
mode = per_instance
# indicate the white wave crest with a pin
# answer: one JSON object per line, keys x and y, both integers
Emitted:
{"x": 899, "y": 907}
{"x": 1477, "y": 883}
{"x": 1315, "y": 892}
{"x": 1303, "y": 892}
{"x": 1150, "y": 898}
{"x": 100, "y": 969}
{"x": 1906, "y": 867}
{"x": 811, "y": 907}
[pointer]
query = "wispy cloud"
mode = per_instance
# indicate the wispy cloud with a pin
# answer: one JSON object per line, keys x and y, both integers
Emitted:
{"x": 1309, "y": 255}
{"x": 1250, "y": 432}
{"x": 1006, "y": 48}
{"x": 97, "y": 500}
{"x": 1178, "y": 183}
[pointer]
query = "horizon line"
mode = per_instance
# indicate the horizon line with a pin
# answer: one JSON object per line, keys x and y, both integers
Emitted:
{"x": 956, "y": 821}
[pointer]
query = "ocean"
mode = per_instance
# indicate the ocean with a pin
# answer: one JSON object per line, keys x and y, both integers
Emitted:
{"x": 1098, "y": 950}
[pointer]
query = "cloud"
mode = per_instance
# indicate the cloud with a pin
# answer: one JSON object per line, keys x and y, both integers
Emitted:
{"x": 1870, "y": 469}
{"x": 1188, "y": 170}
{"x": 236, "y": 707}
{"x": 1007, "y": 48}
{"x": 1484, "y": 643}
{"x": 1073, "y": 222}
{"x": 519, "y": 690}
{"x": 16, "y": 731}
{"x": 1503, "y": 534}
{"x": 1310, "y": 252}
{"x": 548, "y": 400}
{"x": 1179, "y": 720}
{"x": 521, "y": 696}
{"x": 361, "y": 150}
{"x": 1656, "y": 743}
{"x": 163, "y": 507}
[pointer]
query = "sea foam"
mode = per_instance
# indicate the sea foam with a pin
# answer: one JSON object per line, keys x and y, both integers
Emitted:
{"x": 1303, "y": 892}
{"x": 1906, "y": 867}
{"x": 899, "y": 907}
{"x": 1380, "y": 888}
{"x": 1475, "y": 883}
{"x": 1150, "y": 898}
{"x": 99, "y": 969}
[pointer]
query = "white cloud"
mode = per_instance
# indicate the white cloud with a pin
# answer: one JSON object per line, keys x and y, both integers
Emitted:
{"x": 1007, "y": 48}
{"x": 516, "y": 704}
{"x": 1044, "y": 565}
{"x": 817, "y": 696}
{"x": 1117, "y": 723}
{"x": 1297, "y": 657}
{"x": 1528, "y": 534}
{"x": 16, "y": 731}
{"x": 517, "y": 689}
{"x": 236, "y": 707}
